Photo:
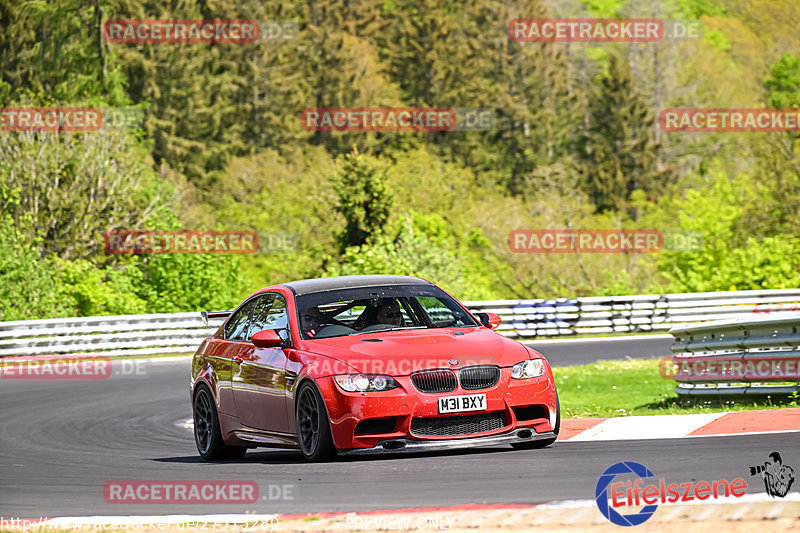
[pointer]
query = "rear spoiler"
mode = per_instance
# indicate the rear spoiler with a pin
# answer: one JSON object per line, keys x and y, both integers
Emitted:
{"x": 214, "y": 314}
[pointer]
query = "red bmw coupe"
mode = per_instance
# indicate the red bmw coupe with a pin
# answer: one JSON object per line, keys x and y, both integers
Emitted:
{"x": 365, "y": 365}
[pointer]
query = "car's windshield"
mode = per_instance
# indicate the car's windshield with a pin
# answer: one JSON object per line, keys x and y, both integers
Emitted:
{"x": 377, "y": 309}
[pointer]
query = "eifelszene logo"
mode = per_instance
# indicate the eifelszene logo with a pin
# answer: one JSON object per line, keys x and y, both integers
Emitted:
{"x": 635, "y": 493}
{"x": 601, "y": 494}
{"x": 778, "y": 477}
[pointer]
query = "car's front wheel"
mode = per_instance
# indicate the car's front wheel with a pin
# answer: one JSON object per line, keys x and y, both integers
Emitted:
{"x": 207, "y": 433}
{"x": 546, "y": 442}
{"x": 313, "y": 429}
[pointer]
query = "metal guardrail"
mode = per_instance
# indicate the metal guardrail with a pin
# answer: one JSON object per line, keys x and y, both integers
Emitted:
{"x": 631, "y": 314}
{"x": 755, "y": 355}
{"x": 106, "y": 335}
{"x": 521, "y": 319}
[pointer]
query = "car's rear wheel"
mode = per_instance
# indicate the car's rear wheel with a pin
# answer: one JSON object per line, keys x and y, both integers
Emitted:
{"x": 207, "y": 433}
{"x": 545, "y": 442}
{"x": 313, "y": 429}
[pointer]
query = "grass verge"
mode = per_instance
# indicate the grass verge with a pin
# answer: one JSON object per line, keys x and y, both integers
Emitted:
{"x": 625, "y": 388}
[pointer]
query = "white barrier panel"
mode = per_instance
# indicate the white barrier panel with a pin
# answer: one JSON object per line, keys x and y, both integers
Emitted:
{"x": 521, "y": 319}
{"x": 757, "y": 354}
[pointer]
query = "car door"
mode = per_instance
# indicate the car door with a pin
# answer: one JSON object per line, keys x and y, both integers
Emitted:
{"x": 225, "y": 349}
{"x": 259, "y": 374}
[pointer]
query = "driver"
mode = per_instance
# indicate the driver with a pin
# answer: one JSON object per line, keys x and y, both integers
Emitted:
{"x": 380, "y": 311}
{"x": 310, "y": 321}
{"x": 389, "y": 313}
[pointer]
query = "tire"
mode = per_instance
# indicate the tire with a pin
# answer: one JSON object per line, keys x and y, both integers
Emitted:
{"x": 207, "y": 434}
{"x": 313, "y": 429}
{"x": 542, "y": 443}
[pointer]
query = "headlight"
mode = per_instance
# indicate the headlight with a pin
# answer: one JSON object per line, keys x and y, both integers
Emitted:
{"x": 365, "y": 382}
{"x": 533, "y": 368}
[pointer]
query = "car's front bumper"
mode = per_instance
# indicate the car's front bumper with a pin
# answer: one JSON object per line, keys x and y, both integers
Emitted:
{"x": 406, "y": 404}
{"x": 405, "y": 445}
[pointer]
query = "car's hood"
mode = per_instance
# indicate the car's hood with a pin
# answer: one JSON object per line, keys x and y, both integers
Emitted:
{"x": 403, "y": 352}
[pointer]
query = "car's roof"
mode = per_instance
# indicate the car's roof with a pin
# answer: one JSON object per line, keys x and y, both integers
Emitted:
{"x": 307, "y": 286}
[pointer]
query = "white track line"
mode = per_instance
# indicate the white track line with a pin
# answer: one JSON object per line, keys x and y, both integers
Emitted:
{"x": 646, "y": 427}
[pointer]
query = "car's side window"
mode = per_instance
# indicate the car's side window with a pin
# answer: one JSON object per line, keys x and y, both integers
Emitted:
{"x": 269, "y": 312}
{"x": 236, "y": 328}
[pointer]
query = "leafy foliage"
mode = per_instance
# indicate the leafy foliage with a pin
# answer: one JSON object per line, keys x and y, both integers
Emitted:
{"x": 77, "y": 186}
{"x": 27, "y": 290}
{"x": 418, "y": 247}
{"x": 619, "y": 152}
{"x": 729, "y": 260}
{"x": 575, "y": 144}
{"x": 364, "y": 198}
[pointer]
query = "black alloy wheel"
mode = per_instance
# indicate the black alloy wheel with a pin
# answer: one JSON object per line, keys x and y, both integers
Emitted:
{"x": 313, "y": 429}
{"x": 207, "y": 434}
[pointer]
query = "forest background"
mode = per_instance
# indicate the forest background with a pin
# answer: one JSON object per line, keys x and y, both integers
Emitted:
{"x": 576, "y": 144}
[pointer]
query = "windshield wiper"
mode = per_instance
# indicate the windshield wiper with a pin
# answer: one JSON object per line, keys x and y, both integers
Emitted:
{"x": 390, "y": 328}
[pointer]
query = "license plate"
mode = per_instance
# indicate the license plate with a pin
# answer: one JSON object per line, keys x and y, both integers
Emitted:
{"x": 460, "y": 404}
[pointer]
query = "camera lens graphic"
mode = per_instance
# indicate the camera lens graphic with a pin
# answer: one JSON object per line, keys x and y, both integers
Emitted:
{"x": 601, "y": 494}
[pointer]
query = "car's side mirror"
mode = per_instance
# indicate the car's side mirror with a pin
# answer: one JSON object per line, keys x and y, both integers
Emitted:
{"x": 267, "y": 338}
{"x": 489, "y": 320}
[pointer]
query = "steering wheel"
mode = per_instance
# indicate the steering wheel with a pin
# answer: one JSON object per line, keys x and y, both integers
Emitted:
{"x": 379, "y": 327}
{"x": 333, "y": 330}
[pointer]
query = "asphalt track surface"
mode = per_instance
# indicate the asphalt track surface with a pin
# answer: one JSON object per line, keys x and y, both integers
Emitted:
{"x": 62, "y": 440}
{"x": 584, "y": 351}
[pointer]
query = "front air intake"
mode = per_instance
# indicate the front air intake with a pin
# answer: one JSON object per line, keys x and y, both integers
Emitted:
{"x": 442, "y": 426}
{"x": 442, "y": 380}
{"x": 479, "y": 377}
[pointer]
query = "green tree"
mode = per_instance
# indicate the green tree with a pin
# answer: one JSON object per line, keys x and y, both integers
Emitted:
{"x": 191, "y": 282}
{"x": 77, "y": 186}
{"x": 27, "y": 288}
{"x": 88, "y": 290}
{"x": 779, "y": 153}
{"x": 461, "y": 57}
{"x": 55, "y": 52}
{"x": 730, "y": 258}
{"x": 365, "y": 201}
{"x": 287, "y": 194}
{"x": 619, "y": 154}
{"x": 783, "y": 86}
{"x": 419, "y": 245}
